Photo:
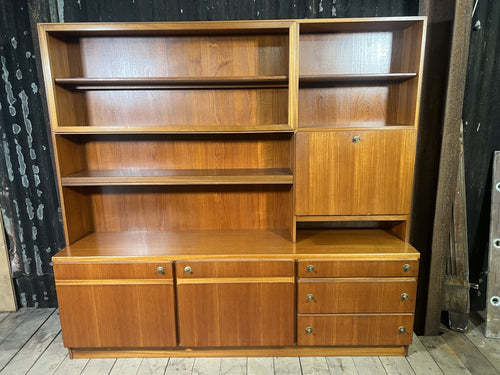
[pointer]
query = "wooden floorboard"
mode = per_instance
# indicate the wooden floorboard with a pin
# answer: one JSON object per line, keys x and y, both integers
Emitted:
{"x": 31, "y": 343}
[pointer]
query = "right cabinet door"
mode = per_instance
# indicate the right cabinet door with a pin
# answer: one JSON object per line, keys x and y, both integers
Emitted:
{"x": 355, "y": 172}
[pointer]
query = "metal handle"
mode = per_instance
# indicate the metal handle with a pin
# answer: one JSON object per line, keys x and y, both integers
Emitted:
{"x": 406, "y": 267}
{"x": 404, "y": 296}
{"x": 160, "y": 270}
{"x": 309, "y": 330}
{"x": 402, "y": 329}
{"x": 310, "y": 297}
{"x": 310, "y": 268}
{"x": 356, "y": 139}
{"x": 188, "y": 269}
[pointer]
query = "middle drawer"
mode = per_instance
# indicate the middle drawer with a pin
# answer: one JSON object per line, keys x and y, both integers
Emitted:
{"x": 346, "y": 295}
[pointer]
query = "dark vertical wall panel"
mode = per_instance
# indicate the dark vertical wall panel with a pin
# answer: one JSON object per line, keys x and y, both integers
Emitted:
{"x": 481, "y": 116}
{"x": 28, "y": 194}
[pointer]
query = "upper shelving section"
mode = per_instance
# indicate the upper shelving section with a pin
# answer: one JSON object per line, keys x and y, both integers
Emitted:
{"x": 168, "y": 77}
{"x": 360, "y": 72}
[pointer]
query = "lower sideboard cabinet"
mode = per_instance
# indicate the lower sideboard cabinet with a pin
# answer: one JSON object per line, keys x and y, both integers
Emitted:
{"x": 236, "y": 303}
{"x": 116, "y": 305}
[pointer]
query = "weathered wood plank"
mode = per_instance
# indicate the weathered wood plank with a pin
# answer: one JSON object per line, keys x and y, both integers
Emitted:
{"x": 19, "y": 336}
{"x": 33, "y": 349}
{"x": 341, "y": 365}
{"x": 287, "y": 366}
{"x": 12, "y": 321}
{"x": 233, "y": 366}
{"x": 260, "y": 366}
{"x": 206, "y": 366}
{"x": 71, "y": 366}
{"x": 396, "y": 366}
{"x": 369, "y": 366}
{"x": 492, "y": 328}
{"x": 51, "y": 359}
{"x": 99, "y": 366}
{"x": 314, "y": 365}
{"x": 420, "y": 360}
{"x": 444, "y": 356}
{"x": 180, "y": 366}
{"x": 126, "y": 366}
{"x": 489, "y": 347}
{"x": 153, "y": 366}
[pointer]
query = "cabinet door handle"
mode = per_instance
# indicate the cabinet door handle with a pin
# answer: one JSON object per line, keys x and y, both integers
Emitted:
{"x": 160, "y": 270}
{"x": 402, "y": 330}
{"x": 309, "y": 330}
{"x": 406, "y": 267}
{"x": 404, "y": 296}
{"x": 310, "y": 297}
{"x": 188, "y": 269}
{"x": 356, "y": 139}
{"x": 310, "y": 268}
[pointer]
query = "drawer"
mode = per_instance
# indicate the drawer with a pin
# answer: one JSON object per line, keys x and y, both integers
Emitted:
{"x": 356, "y": 295}
{"x": 359, "y": 329}
{"x": 358, "y": 268}
{"x": 234, "y": 268}
{"x": 93, "y": 271}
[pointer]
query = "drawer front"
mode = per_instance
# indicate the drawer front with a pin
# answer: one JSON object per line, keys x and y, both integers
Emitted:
{"x": 358, "y": 268}
{"x": 100, "y": 271}
{"x": 359, "y": 329}
{"x": 234, "y": 268}
{"x": 356, "y": 295}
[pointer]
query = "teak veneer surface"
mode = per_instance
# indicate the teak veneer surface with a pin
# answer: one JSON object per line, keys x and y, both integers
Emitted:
{"x": 148, "y": 246}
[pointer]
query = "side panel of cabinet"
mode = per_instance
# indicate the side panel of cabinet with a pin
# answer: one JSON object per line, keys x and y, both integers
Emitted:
{"x": 337, "y": 174}
{"x": 106, "y": 316}
{"x": 222, "y": 313}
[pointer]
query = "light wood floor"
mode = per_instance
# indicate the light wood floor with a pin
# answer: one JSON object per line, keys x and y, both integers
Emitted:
{"x": 31, "y": 343}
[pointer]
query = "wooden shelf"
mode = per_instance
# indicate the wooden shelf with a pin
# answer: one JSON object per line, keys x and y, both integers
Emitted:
{"x": 152, "y": 245}
{"x": 180, "y": 177}
{"x": 372, "y": 77}
{"x": 363, "y": 126}
{"x": 175, "y": 129}
{"x": 152, "y": 83}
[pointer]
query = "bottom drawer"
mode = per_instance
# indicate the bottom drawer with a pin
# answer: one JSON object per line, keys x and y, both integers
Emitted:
{"x": 354, "y": 329}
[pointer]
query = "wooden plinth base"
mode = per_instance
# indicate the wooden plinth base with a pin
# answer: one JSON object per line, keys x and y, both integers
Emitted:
{"x": 243, "y": 352}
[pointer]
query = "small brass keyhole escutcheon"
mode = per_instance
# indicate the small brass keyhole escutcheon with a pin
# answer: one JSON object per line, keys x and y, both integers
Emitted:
{"x": 310, "y": 297}
{"x": 402, "y": 330}
{"x": 188, "y": 269}
{"x": 404, "y": 296}
{"x": 310, "y": 268}
{"x": 160, "y": 270}
{"x": 406, "y": 267}
{"x": 309, "y": 330}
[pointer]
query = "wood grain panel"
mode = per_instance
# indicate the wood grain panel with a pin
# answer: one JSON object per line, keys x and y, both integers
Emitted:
{"x": 241, "y": 314}
{"x": 91, "y": 271}
{"x": 78, "y": 213}
{"x": 356, "y": 295}
{"x": 177, "y": 107}
{"x": 235, "y": 268}
{"x": 102, "y": 316}
{"x": 184, "y": 55}
{"x": 357, "y": 329}
{"x": 338, "y": 177}
{"x": 150, "y": 152}
{"x": 359, "y": 267}
{"x": 151, "y": 208}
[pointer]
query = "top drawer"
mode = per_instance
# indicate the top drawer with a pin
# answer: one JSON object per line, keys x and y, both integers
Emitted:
{"x": 234, "y": 268}
{"x": 100, "y": 271}
{"x": 357, "y": 268}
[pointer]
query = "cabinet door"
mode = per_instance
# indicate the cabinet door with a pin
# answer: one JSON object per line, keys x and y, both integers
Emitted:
{"x": 227, "y": 310}
{"x": 354, "y": 172}
{"x": 101, "y": 308}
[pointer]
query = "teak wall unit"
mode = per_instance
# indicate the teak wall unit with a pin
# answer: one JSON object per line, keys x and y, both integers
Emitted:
{"x": 235, "y": 188}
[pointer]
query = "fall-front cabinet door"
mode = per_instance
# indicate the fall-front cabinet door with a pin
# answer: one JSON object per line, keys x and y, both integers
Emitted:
{"x": 235, "y": 303}
{"x": 354, "y": 172}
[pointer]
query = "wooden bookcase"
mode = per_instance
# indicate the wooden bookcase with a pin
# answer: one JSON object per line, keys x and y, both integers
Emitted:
{"x": 235, "y": 188}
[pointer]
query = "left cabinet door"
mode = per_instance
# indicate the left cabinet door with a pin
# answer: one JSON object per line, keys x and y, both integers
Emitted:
{"x": 116, "y": 305}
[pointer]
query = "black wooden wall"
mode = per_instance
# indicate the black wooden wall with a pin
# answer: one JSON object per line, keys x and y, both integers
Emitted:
{"x": 28, "y": 194}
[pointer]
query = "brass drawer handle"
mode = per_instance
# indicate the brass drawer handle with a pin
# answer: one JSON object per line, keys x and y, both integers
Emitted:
{"x": 309, "y": 330}
{"x": 188, "y": 269}
{"x": 402, "y": 330}
{"x": 406, "y": 267}
{"x": 356, "y": 139}
{"x": 310, "y": 297}
{"x": 404, "y": 296}
{"x": 160, "y": 270}
{"x": 310, "y": 268}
